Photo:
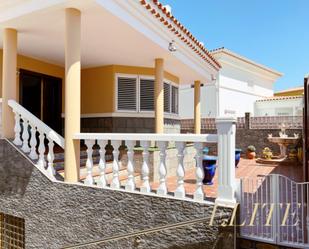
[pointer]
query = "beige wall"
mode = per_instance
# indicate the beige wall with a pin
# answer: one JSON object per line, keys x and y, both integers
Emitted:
{"x": 97, "y": 84}
{"x": 34, "y": 65}
{"x": 97, "y": 90}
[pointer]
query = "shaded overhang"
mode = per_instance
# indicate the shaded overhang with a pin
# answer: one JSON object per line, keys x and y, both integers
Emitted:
{"x": 113, "y": 32}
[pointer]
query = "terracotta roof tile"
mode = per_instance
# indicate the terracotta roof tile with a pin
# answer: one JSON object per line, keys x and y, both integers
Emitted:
{"x": 185, "y": 35}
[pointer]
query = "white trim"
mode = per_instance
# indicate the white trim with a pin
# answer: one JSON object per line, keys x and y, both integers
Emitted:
{"x": 244, "y": 59}
{"x": 196, "y": 138}
{"x": 138, "y": 77}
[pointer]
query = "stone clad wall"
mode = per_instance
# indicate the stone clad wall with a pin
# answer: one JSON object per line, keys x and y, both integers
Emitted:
{"x": 58, "y": 214}
{"x": 127, "y": 125}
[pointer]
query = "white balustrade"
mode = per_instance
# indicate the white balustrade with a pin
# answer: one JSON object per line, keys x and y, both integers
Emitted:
{"x": 162, "y": 190}
{"x": 180, "y": 191}
{"x": 142, "y": 164}
{"x": 25, "y": 136}
{"x": 226, "y": 162}
{"x": 33, "y": 154}
{"x": 31, "y": 127}
{"x": 102, "y": 164}
{"x": 115, "y": 181}
{"x": 130, "y": 186}
{"x": 89, "y": 163}
{"x": 50, "y": 158}
{"x": 145, "y": 188}
{"x": 41, "y": 162}
{"x": 17, "y": 129}
{"x": 199, "y": 192}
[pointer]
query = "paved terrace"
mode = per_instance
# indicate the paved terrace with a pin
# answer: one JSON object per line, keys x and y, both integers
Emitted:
{"x": 246, "y": 168}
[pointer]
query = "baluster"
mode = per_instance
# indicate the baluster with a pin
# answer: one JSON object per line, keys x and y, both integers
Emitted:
{"x": 89, "y": 162}
{"x": 17, "y": 141}
{"x": 162, "y": 190}
{"x": 25, "y": 148}
{"x": 180, "y": 191}
{"x": 41, "y": 162}
{"x": 33, "y": 155}
{"x": 115, "y": 181}
{"x": 130, "y": 186}
{"x": 145, "y": 188}
{"x": 102, "y": 163}
{"x": 50, "y": 158}
{"x": 199, "y": 192}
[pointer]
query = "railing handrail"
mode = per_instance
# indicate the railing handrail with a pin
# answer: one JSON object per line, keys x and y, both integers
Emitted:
{"x": 208, "y": 138}
{"x": 50, "y": 133}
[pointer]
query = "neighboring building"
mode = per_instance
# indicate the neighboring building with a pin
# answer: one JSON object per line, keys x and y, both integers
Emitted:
{"x": 279, "y": 106}
{"x": 240, "y": 83}
{"x": 297, "y": 91}
{"x": 287, "y": 102}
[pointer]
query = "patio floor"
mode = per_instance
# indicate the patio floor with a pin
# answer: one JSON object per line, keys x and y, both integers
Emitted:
{"x": 246, "y": 168}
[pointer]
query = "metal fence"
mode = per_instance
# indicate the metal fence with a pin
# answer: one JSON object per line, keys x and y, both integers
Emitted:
{"x": 282, "y": 212}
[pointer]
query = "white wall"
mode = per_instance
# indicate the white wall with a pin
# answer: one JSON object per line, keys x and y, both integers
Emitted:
{"x": 286, "y": 107}
{"x": 239, "y": 89}
{"x": 239, "y": 85}
{"x": 208, "y": 102}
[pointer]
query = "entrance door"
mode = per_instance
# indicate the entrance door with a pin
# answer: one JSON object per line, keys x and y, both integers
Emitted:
{"x": 41, "y": 95}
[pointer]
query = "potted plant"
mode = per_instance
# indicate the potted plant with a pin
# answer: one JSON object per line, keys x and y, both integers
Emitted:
{"x": 267, "y": 153}
{"x": 293, "y": 154}
{"x": 209, "y": 165}
{"x": 251, "y": 152}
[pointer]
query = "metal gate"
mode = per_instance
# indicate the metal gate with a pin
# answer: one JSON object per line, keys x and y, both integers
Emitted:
{"x": 274, "y": 209}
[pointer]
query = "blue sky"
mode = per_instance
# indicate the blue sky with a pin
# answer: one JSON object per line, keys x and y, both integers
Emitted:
{"x": 272, "y": 32}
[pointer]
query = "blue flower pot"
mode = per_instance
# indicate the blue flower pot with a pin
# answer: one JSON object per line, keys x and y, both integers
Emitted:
{"x": 237, "y": 156}
{"x": 205, "y": 150}
{"x": 209, "y": 166}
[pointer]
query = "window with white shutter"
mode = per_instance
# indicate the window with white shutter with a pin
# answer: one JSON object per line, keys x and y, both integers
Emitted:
{"x": 174, "y": 99}
{"x": 167, "y": 97}
{"x": 126, "y": 94}
{"x": 146, "y": 94}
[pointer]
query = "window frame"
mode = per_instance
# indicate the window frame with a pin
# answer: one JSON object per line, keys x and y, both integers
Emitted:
{"x": 171, "y": 84}
{"x": 138, "y": 77}
{"x": 131, "y": 76}
{"x": 145, "y": 77}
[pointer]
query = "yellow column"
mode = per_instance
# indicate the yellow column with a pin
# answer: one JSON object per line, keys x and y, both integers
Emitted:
{"x": 9, "y": 84}
{"x": 72, "y": 93}
{"x": 197, "y": 107}
{"x": 159, "y": 95}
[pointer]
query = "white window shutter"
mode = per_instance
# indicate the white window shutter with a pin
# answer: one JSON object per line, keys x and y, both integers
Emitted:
{"x": 146, "y": 95}
{"x": 126, "y": 93}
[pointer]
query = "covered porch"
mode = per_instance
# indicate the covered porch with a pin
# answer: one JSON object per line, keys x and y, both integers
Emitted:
{"x": 99, "y": 49}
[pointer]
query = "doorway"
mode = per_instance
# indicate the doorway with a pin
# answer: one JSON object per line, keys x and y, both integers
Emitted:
{"x": 41, "y": 95}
